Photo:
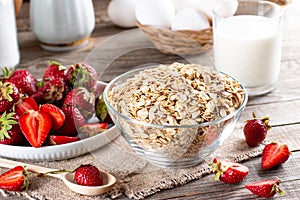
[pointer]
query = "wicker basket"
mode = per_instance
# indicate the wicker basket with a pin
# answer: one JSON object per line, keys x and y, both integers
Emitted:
{"x": 184, "y": 42}
{"x": 179, "y": 42}
{"x": 281, "y": 2}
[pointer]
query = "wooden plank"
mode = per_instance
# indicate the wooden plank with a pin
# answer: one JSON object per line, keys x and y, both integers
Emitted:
{"x": 207, "y": 188}
{"x": 280, "y": 113}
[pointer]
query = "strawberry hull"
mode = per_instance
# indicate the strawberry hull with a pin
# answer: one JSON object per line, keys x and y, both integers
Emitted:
{"x": 228, "y": 171}
{"x": 265, "y": 188}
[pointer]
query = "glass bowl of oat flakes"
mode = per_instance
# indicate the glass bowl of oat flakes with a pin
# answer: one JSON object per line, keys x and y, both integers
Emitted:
{"x": 175, "y": 115}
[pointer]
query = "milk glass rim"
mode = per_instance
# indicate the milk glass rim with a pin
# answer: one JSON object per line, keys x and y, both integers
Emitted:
{"x": 279, "y": 14}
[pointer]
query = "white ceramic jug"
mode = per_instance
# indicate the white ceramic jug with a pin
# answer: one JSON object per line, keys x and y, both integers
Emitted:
{"x": 9, "y": 49}
{"x": 62, "y": 25}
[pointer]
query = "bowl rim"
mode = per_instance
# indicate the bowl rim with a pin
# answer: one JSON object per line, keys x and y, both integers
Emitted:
{"x": 216, "y": 121}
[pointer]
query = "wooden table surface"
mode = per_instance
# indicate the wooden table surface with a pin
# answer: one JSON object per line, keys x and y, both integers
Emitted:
{"x": 282, "y": 104}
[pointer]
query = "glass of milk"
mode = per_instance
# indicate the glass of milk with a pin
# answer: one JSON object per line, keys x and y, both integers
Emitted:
{"x": 247, "y": 45}
{"x": 9, "y": 48}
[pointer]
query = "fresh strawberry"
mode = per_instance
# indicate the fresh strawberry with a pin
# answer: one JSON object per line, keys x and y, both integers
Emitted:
{"x": 255, "y": 130}
{"x": 28, "y": 103}
{"x": 38, "y": 96}
{"x": 61, "y": 139}
{"x": 83, "y": 100}
{"x": 14, "y": 179}
{"x": 82, "y": 75}
{"x": 10, "y": 132}
{"x": 9, "y": 95}
{"x": 57, "y": 115}
{"x": 274, "y": 154}
{"x": 228, "y": 171}
{"x": 54, "y": 70}
{"x": 101, "y": 110}
{"x": 23, "y": 79}
{"x": 52, "y": 91}
{"x": 73, "y": 120}
{"x": 88, "y": 175}
{"x": 89, "y": 130}
{"x": 36, "y": 126}
{"x": 265, "y": 188}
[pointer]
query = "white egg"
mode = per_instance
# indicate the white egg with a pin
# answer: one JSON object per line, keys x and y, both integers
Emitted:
{"x": 227, "y": 8}
{"x": 122, "y": 12}
{"x": 182, "y": 4}
{"x": 189, "y": 19}
{"x": 157, "y": 13}
{"x": 207, "y": 6}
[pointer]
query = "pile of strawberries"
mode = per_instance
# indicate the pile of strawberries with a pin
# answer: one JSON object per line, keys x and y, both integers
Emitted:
{"x": 51, "y": 110}
{"x": 273, "y": 155}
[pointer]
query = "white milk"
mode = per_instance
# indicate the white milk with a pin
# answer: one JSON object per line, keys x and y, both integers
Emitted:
{"x": 9, "y": 49}
{"x": 248, "y": 47}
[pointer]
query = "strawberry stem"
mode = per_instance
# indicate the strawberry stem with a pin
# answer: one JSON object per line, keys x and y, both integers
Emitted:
{"x": 277, "y": 189}
{"x": 26, "y": 179}
{"x": 217, "y": 176}
{"x": 280, "y": 192}
{"x": 265, "y": 120}
{"x": 7, "y": 73}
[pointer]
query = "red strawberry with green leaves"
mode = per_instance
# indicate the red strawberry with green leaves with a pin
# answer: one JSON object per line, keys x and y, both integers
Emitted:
{"x": 57, "y": 115}
{"x": 9, "y": 95}
{"x": 82, "y": 75}
{"x": 10, "y": 132}
{"x": 228, "y": 171}
{"x": 14, "y": 179}
{"x": 61, "y": 139}
{"x": 23, "y": 80}
{"x": 54, "y": 70}
{"x": 36, "y": 126}
{"x": 52, "y": 91}
{"x": 255, "y": 130}
{"x": 88, "y": 175}
{"x": 101, "y": 110}
{"x": 265, "y": 188}
{"x": 27, "y": 103}
{"x": 274, "y": 154}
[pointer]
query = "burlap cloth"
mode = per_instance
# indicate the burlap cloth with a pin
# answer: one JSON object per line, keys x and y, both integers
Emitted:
{"x": 137, "y": 178}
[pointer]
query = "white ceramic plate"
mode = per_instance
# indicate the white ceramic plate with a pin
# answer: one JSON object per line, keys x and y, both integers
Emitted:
{"x": 63, "y": 151}
{"x": 59, "y": 152}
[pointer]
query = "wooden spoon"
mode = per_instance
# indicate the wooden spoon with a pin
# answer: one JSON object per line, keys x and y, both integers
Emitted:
{"x": 67, "y": 177}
